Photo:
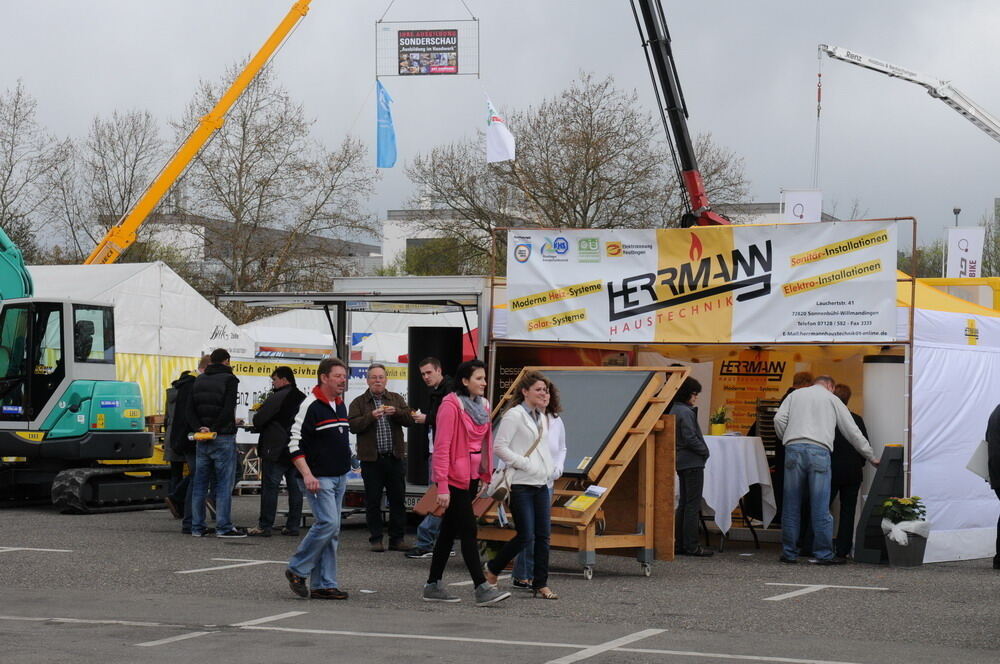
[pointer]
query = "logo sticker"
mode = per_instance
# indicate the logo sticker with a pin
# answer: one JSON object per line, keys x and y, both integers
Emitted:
{"x": 132, "y": 412}
{"x": 588, "y": 250}
{"x": 522, "y": 253}
{"x": 12, "y": 410}
{"x": 613, "y": 249}
{"x": 110, "y": 403}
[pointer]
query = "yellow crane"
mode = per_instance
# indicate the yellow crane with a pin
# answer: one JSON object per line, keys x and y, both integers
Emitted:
{"x": 121, "y": 236}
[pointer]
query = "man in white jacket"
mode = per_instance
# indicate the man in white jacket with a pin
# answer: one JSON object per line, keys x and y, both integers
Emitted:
{"x": 807, "y": 422}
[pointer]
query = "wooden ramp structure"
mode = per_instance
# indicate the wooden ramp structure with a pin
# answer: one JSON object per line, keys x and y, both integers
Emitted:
{"x": 618, "y": 438}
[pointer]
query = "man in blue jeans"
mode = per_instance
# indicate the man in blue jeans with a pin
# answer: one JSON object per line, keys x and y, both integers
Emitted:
{"x": 806, "y": 422}
{"x": 321, "y": 451}
{"x": 212, "y": 409}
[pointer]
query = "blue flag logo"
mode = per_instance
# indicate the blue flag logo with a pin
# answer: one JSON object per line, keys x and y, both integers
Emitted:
{"x": 386, "y": 157}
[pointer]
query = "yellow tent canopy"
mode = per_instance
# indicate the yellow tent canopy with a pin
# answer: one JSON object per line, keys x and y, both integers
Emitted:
{"x": 932, "y": 299}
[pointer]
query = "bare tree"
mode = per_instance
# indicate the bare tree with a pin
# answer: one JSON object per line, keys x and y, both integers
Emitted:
{"x": 27, "y": 157}
{"x": 277, "y": 196}
{"x": 588, "y": 158}
{"x": 101, "y": 178}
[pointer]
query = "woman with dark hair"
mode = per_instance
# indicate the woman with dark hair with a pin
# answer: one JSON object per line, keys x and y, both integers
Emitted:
{"x": 462, "y": 457}
{"x": 524, "y": 566}
{"x": 522, "y": 444}
{"x": 692, "y": 454}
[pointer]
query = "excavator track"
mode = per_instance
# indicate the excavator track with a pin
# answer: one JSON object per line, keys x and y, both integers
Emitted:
{"x": 109, "y": 489}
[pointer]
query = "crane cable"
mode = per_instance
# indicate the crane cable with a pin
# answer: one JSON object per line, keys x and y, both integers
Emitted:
{"x": 819, "y": 105}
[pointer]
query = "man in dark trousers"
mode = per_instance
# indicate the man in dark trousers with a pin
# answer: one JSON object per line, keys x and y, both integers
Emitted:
{"x": 213, "y": 411}
{"x": 273, "y": 421}
{"x": 439, "y": 385}
{"x": 377, "y": 417}
{"x": 177, "y": 430}
{"x": 846, "y": 474}
{"x": 320, "y": 446}
{"x": 993, "y": 450}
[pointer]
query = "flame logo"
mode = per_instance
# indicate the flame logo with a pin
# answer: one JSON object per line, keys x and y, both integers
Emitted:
{"x": 696, "y": 249}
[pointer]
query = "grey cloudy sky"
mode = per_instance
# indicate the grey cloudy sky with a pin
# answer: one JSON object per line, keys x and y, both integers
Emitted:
{"x": 748, "y": 70}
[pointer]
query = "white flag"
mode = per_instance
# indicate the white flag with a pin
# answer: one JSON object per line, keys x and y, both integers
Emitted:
{"x": 965, "y": 252}
{"x": 499, "y": 140}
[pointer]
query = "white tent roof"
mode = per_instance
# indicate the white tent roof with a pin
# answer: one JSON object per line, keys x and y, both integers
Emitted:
{"x": 156, "y": 312}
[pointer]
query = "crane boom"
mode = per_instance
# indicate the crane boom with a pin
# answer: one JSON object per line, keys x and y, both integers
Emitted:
{"x": 938, "y": 89}
{"x": 120, "y": 236}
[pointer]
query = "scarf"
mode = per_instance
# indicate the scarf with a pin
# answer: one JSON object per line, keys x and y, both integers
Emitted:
{"x": 475, "y": 409}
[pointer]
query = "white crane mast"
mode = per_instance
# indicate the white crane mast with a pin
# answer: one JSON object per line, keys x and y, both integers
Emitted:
{"x": 942, "y": 90}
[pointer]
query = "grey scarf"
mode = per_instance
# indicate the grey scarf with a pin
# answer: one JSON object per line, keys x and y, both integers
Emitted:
{"x": 475, "y": 409}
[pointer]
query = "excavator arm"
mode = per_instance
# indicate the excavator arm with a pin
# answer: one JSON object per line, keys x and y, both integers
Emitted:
{"x": 121, "y": 236}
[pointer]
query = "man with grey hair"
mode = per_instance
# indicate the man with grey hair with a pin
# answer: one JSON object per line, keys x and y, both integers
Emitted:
{"x": 806, "y": 423}
{"x": 377, "y": 417}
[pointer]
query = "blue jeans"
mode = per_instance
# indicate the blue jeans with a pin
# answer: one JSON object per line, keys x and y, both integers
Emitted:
{"x": 216, "y": 457}
{"x": 807, "y": 468}
{"x": 532, "y": 508}
{"x": 270, "y": 486}
{"x": 316, "y": 556}
{"x": 524, "y": 566}
{"x": 427, "y": 532}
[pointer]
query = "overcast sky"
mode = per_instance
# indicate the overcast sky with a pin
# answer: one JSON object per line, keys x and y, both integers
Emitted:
{"x": 748, "y": 70}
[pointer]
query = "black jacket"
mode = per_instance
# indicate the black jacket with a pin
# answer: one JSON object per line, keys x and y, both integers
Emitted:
{"x": 993, "y": 447}
{"x": 846, "y": 464}
{"x": 434, "y": 400}
{"x": 273, "y": 421}
{"x": 213, "y": 400}
{"x": 692, "y": 452}
{"x": 178, "y": 400}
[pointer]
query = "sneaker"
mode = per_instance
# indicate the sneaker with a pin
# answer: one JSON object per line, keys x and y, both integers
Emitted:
{"x": 417, "y": 552}
{"x": 435, "y": 592}
{"x": 827, "y": 561}
{"x": 293, "y": 532}
{"x": 175, "y": 510}
{"x": 195, "y": 533}
{"x": 790, "y": 561}
{"x": 297, "y": 583}
{"x": 259, "y": 532}
{"x": 698, "y": 553}
{"x": 487, "y": 594}
{"x": 235, "y": 533}
{"x": 376, "y": 545}
{"x": 521, "y": 584}
{"x": 328, "y": 593}
{"x": 398, "y": 545}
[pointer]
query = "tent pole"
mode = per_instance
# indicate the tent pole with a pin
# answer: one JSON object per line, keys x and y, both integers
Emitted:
{"x": 909, "y": 362}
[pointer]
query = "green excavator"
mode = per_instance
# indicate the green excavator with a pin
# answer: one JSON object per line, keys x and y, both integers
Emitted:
{"x": 69, "y": 432}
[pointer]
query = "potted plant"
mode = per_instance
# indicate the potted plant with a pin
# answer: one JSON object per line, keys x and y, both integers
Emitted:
{"x": 905, "y": 527}
{"x": 718, "y": 420}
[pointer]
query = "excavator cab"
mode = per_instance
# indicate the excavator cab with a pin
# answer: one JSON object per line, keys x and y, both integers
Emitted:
{"x": 62, "y": 410}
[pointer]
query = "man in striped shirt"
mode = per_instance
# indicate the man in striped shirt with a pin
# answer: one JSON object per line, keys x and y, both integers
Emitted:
{"x": 321, "y": 451}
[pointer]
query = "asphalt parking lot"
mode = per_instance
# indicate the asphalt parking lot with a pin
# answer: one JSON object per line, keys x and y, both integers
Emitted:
{"x": 128, "y": 586}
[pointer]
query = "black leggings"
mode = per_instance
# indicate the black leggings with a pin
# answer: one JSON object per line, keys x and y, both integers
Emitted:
{"x": 460, "y": 521}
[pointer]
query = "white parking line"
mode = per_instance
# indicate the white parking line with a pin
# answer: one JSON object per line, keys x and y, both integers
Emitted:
{"x": 267, "y": 619}
{"x": 240, "y": 562}
{"x": 7, "y": 549}
{"x": 593, "y": 651}
{"x": 469, "y": 583}
{"x": 716, "y": 655}
{"x": 806, "y": 588}
{"x": 172, "y": 639}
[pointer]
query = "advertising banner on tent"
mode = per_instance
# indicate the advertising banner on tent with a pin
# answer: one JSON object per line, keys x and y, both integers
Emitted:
{"x": 427, "y": 52}
{"x": 965, "y": 252}
{"x": 826, "y": 282}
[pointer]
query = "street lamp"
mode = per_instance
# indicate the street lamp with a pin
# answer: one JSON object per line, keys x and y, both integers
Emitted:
{"x": 956, "y": 211}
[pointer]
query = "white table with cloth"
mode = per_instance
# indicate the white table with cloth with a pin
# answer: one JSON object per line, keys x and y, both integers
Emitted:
{"x": 735, "y": 463}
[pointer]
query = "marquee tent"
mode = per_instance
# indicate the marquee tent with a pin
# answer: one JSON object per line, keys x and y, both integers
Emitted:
{"x": 162, "y": 324}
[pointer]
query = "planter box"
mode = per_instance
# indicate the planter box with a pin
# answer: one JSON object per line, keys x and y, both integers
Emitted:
{"x": 911, "y": 555}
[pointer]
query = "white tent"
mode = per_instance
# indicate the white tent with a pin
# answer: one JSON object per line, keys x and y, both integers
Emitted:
{"x": 162, "y": 324}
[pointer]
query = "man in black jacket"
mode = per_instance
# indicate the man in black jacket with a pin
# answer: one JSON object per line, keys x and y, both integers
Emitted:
{"x": 846, "y": 474}
{"x": 177, "y": 430}
{"x": 993, "y": 452}
{"x": 273, "y": 421}
{"x": 213, "y": 411}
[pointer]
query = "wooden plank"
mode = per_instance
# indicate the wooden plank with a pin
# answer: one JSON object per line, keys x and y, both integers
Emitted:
{"x": 663, "y": 491}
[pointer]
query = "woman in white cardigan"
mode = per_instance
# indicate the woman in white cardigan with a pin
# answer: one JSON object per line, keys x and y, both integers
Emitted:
{"x": 525, "y": 564}
{"x": 521, "y": 443}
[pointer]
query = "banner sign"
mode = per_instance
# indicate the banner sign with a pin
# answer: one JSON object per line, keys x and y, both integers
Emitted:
{"x": 828, "y": 282}
{"x": 965, "y": 252}
{"x": 427, "y": 52}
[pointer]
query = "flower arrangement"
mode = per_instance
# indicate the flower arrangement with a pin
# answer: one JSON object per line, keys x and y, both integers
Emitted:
{"x": 898, "y": 510}
{"x": 719, "y": 416}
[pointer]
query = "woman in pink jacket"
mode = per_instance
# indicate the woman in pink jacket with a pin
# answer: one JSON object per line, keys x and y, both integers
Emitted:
{"x": 463, "y": 454}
